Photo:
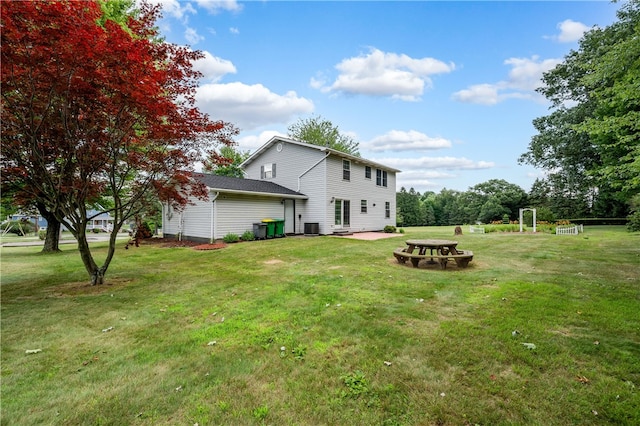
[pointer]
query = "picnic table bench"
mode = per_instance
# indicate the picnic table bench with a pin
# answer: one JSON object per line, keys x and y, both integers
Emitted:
{"x": 440, "y": 252}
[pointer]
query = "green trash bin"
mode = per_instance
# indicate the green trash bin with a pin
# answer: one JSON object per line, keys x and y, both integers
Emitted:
{"x": 271, "y": 227}
{"x": 279, "y": 231}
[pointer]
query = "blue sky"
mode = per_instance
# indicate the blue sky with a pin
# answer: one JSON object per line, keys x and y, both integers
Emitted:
{"x": 444, "y": 91}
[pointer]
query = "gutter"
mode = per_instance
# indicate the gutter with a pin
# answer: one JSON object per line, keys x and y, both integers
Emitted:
{"x": 265, "y": 194}
{"x": 213, "y": 213}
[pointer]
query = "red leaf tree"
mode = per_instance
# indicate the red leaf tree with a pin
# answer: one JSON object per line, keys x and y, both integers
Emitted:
{"x": 98, "y": 115}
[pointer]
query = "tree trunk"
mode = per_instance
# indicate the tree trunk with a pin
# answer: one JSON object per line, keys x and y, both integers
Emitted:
{"x": 96, "y": 274}
{"x": 52, "y": 237}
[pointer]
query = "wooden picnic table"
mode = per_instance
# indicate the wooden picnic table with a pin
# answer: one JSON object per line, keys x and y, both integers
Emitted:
{"x": 440, "y": 251}
{"x": 438, "y": 245}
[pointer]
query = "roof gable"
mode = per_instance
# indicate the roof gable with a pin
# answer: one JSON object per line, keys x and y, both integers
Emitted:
{"x": 253, "y": 157}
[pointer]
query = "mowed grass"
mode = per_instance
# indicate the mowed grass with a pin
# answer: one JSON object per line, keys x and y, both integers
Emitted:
{"x": 327, "y": 330}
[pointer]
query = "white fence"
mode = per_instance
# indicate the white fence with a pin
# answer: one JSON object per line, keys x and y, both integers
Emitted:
{"x": 569, "y": 229}
{"x": 476, "y": 230}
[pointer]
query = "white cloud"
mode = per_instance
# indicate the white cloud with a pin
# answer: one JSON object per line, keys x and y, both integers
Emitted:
{"x": 192, "y": 36}
{"x": 213, "y": 68}
{"x": 234, "y": 30}
{"x": 425, "y": 174}
{"x": 215, "y": 6}
{"x": 385, "y": 74}
{"x": 526, "y": 73}
{"x": 485, "y": 94}
{"x": 250, "y": 106}
{"x": 445, "y": 163}
{"x": 174, "y": 8}
{"x": 253, "y": 142}
{"x": 421, "y": 180}
{"x": 399, "y": 140}
{"x": 570, "y": 31}
{"x": 523, "y": 79}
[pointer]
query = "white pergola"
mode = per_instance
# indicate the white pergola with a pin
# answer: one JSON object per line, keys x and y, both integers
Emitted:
{"x": 534, "y": 219}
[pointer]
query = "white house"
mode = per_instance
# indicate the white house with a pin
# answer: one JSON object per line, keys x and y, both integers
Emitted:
{"x": 314, "y": 189}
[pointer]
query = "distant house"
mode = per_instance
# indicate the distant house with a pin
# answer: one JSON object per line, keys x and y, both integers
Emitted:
{"x": 315, "y": 190}
{"x": 99, "y": 221}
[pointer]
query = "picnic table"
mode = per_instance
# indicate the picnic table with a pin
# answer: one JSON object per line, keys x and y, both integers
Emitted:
{"x": 434, "y": 252}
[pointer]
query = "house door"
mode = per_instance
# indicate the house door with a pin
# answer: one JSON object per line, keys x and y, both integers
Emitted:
{"x": 342, "y": 213}
{"x": 289, "y": 217}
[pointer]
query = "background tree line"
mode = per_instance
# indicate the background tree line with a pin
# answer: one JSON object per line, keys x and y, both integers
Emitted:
{"x": 495, "y": 200}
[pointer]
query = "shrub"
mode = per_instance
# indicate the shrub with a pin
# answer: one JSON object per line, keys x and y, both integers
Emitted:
{"x": 231, "y": 238}
{"x": 499, "y": 227}
{"x": 634, "y": 218}
{"x": 248, "y": 236}
{"x": 42, "y": 234}
{"x": 144, "y": 231}
{"x": 389, "y": 229}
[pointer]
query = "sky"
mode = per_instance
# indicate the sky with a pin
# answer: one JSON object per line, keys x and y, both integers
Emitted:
{"x": 443, "y": 91}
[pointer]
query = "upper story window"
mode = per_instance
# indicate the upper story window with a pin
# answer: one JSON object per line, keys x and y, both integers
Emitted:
{"x": 268, "y": 171}
{"x": 381, "y": 177}
{"x": 346, "y": 170}
{"x": 363, "y": 206}
{"x": 367, "y": 172}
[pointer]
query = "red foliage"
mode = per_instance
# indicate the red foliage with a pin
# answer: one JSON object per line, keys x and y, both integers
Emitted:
{"x": 90, "y": 112}
{"x": 83, "y": 104}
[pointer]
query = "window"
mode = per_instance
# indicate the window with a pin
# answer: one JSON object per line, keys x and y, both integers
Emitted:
{"x": 363, "y": 206}
{"x": 268, "y": 171}
{"x": 367, "y": 172}
{"x": 381, "y": 178}
{"x": 387, "y": 210}
{"x": 346, "y": 170}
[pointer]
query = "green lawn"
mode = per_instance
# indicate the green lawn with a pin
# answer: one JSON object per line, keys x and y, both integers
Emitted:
{"x": 327, "y": 330}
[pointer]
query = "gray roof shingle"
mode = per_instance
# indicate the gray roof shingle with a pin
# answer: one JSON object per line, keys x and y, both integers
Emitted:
{"x": 238, "y": 185}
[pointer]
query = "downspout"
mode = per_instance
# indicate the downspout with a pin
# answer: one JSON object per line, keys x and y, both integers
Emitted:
{"x": 311, "y": 168}
{"x": 164, "y": 218}
{"x": 213, "y": 213}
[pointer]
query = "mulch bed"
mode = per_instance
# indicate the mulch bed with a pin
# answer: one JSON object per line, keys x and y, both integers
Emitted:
{"x": 171, "y": 243}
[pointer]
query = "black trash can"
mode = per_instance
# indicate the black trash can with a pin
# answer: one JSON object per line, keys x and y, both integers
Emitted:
{"x": 260, "y": 231}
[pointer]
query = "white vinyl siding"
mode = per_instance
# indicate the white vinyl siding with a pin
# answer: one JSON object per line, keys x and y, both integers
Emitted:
{"x": 233, "y": 214}
{"x": 359, "y": 186}
{"x": 236, "y": 214}
{"x": 301, "y": 169}
{"x": 292, "y": 161}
